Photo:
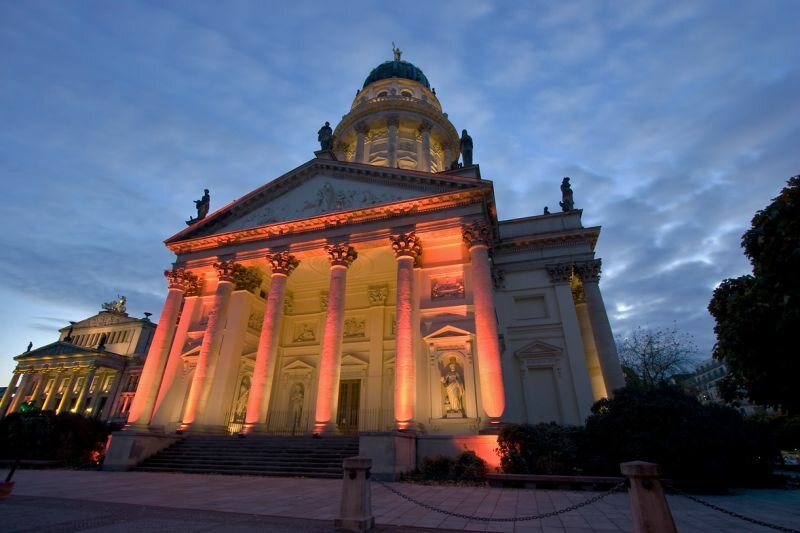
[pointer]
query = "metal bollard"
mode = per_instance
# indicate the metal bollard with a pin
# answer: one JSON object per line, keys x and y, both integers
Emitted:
{"x": 355, "y": 513}
{"x": 649, "y": 509}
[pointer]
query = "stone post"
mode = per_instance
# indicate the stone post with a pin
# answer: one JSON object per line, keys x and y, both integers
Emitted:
{"x": 392, "y": 122}
{"x": 355, "y": 512}
{"x": 20, "y": 393}
{"x": 341, "y": 256}
{"x": 589, "y": 272}
{"x": 153, "y": 371}
{"x": 361, "y": 132}
{"x": 6, "y": 400}
{"x": 51, "y": 395}
{"x": 406, "y": 249}
{"x": 283, "y": 264}
{"x": 424, "y": 163}
{"x": 84, "y": 390}
{"x": 478, "y": 237}
{"x": 212, "y": 340}
{"x": 649, "y": 508}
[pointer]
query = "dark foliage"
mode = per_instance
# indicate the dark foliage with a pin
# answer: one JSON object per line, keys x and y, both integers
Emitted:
{"x": 466, "y": 467}
{"x": 67, "y": 437}
{"x": 698, "y": 446}
{"x": 757, "y": 316}
{"x": 540, "y": 449}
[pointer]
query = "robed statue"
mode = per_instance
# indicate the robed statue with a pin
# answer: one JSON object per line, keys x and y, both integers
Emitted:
{"x": 202, "y": 205}
{"x": 454, "y": 388}
{"x": 566, "y": 203}
{"x": 325, "y": 137}
{"x": 466, "y": 148}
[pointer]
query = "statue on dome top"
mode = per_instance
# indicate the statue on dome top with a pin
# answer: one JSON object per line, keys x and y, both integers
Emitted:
{"x": 566, "y": 203}
{"x": 397, "y": 52}
{"x": 325, "y": 137}
{"x": 466, "y": 148}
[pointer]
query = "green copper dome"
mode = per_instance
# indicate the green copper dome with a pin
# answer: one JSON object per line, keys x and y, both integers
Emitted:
{"x": 397, "y": 69}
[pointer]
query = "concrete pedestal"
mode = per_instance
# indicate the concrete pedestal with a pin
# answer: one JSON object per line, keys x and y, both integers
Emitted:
{"x": 392, "y": 454}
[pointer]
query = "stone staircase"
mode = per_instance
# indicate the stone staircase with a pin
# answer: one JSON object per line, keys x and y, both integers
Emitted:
{"x": 303, "y": 456}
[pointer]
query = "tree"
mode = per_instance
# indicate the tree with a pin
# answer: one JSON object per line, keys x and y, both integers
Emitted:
{"x": 758, "y": 316}
{"x": 655, "y": 355}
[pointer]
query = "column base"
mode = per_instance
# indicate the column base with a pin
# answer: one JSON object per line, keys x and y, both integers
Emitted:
{"x": 254, "y": 429}
{"x": 325, "y": 428}
{"x": 493, "y": 426}
{"x": 407, "y": 426}
{"x": 197, "y": 429}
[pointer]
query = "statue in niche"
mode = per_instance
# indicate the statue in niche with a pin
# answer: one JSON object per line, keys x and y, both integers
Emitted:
{"x": 202, "y": 205}
{"x": 566, "y": 203}
{"x": 296, "y": 398}
{"x": 241, "y": 401}
{"x": 454, "y": 388}
{"x": 466, "y": 148}
{"x": 325, "y": 137}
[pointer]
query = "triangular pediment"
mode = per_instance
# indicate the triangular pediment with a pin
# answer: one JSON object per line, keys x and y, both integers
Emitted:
{"x": 350, "y": 360}
{"x": 538, "y": 349}
{"x": 447, "y": 332}
{"x": 320, "y": 188}
{"x": 57, "y": 348}
{"x": 298, "y": 366}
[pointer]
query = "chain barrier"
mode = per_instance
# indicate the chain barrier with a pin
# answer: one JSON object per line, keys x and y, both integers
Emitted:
{"x": 549, "y": 514}
{"x": 704, "y": 503}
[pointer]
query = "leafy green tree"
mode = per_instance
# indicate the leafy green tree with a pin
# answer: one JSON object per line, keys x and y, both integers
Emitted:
{"x": 758, "y": 316}
{"x": 652, "y": 356}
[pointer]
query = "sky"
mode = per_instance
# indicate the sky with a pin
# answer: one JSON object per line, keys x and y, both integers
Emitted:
{"x": 676, "y": 121}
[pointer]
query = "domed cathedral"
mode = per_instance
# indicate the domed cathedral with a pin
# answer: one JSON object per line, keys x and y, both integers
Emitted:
{"x": 373, "y": 291}
{"x": 396, "y": 121}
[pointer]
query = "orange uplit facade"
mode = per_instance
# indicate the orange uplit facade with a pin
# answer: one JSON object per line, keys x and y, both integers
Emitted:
{"x": 374, "y": 290}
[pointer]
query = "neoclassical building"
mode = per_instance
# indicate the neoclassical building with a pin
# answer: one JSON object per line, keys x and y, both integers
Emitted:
{"x": 92, "y": 369}
{"x": 373, "y": 288}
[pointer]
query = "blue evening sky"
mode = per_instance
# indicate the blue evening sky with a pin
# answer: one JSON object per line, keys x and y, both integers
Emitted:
{"x": 676, "y": 121}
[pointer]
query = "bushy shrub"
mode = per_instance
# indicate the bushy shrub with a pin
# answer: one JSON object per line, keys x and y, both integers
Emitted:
{"x": 540, "y": 449}
{"x": 66, "y": 437}
{"x": 466, "y": 467}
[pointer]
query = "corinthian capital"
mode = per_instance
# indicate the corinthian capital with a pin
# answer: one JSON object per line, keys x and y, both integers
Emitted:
{"x": 341, "y": 254}
{"x": 589, "y": 271}
{"x": 406, "y": 245}
{"x": 477, "y": 233}
{"x": 560, "y": 272}
{"x": 282, "y": 262}
{"x": 226, "y": 270}
{"x": 182, "y": 279}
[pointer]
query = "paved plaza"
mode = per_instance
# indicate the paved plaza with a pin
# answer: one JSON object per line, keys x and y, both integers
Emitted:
{"x": 69, "y": 500}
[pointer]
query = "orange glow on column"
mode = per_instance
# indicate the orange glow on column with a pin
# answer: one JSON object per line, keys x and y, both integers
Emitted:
{"x": 261, "y": 387}
{"x": 404, "y": 356}
{"x": 143, "y": 401}
{"x": 489, "y": 364}
{"x": 330, "y": 361}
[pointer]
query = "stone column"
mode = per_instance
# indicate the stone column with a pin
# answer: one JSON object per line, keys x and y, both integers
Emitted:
{"x": 178, "y": 280}
{"x": 392, "y": 122}
{"x": 97, "y": 394}
{"x": 212, "y": 339}
{"x": 66, "y": 398}
{"x": 37, "y": 390}
{"x": 6, "y": 400}
{"x": 406, "y": 249}
{"x": 84, "y": 390}
{"x": 448, "y": 156}
{"x": 592, "y": 358}
{"x": 283, "y": 263}
{"x": 424, "y": 162}
{"x": 51, "y": 395}
{"x": 341, "y": 256}
{"x": 361, "y": 132}
{"x": 589, "y": 272}
{"x": 21, "y": 392}
{"x": 478, "y": 237}
{"x": 113, "y": 396}
{"x": 561, "y": 278}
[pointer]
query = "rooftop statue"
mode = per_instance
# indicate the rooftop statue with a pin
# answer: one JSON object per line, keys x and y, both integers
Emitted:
{"x": 466, "y": 148}
{"x": 202, "y": 205}
{"x": 325, "y": 137}
{"x": 566, "y": 203}
{"x": 397, "y": 52}
{"x": 116, "y": 306}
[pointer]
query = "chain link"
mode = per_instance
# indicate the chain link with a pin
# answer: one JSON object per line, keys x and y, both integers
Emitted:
{"x": 695, "y": 499}
{"x": 549, "y": 514}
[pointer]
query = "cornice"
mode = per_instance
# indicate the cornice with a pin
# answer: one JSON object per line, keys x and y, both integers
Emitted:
{"x": 425, "y": 204}
{"x": 550, "y": 240}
